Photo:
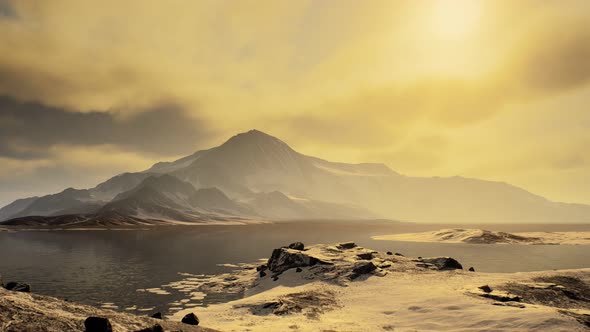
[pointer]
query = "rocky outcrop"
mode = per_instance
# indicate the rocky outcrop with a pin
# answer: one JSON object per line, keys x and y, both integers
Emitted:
{"x": 443, "y": 263}
{"x": 297, "y": 246}
{"x": 283, "y": 259}
{"x": 362, "y": 268}
{"x": 345, "y": 262}
{"x": 18, "y": 287}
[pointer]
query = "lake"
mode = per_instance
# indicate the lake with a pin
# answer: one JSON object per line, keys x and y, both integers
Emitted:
{"x": 108, "y": 267}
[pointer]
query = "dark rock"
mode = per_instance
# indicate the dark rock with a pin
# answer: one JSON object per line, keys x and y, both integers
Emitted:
{"x": 18, "y": 287}
{"x": 297, "y": 246}
{"x": 97, "y": 324}
{"x": 298, "y": 270}
{"x": 157, "y": 315}
{"x": 155, "y": 328}
{"x": 365, "y": 255}
{"x": 275, "y": 278}
{"x": 346, "y": 245}
{"x": 398, "y": 254}
{"x": 472, "y": 269}
{"x": 419, "y": 257}
{"x": 262, "y": 274}
{"x": 389, "y": 253}
{"x": 485, "y": 288}
{"x": 502, "y": 298}
{"x": 444, "y": 263}
{"x": 190, "y": 319}
{"x": 283, "y": 259}
{"x": 261, "y": 268}
{"x": 362, "y": 268}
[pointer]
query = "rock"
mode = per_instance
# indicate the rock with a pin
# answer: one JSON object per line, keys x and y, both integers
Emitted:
{"x": 443, "y": 263}
{"x": 262, "y": 274}
{"x": 190, "y": 319}
{"x": 18, "y": 287}
{"x": 155, "y": 328}
{"x": 97, "y": 324}
{"x": 283, "y": 259}
{"x": 362, "y": 268}
{"x": 502, "y": 297}
{"x": 275, "y": 278}
{"x": 346, "y": 245}
{"x": 365, "y": 255}
{"x": 485, "y": 288}
{"x": 297, "y": 246}
{"x": 261, "y": 268}
{"x": 398, "y": 254}
{"x": 472, "y": 269}
{"x": 389, "y": 253}
{"x": 298, "y": 270}
{"x": 157, "y": 315}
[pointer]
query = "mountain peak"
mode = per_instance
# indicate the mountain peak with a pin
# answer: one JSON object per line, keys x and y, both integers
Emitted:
{"x": 253, "y": 135}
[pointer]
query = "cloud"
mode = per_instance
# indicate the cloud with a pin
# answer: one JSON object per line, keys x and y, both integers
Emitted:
{"x": 28, "y": 130}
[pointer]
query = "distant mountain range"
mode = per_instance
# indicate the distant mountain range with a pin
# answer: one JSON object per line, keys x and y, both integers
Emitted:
{"x": 256, "y": 176}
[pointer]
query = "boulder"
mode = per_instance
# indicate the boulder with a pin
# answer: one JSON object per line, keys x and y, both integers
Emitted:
{"x": 190, "y": 319}
{"x": 155, "y": 328}
{"x": 346, "y": 245}
{"x": 297, "y": 246}
{"x": 389, "y": 253}
{"x": 262, "y": 274}
{"x": 18, "y": 287}
{"x": 283, "y": 259}
{"x": 398, "y": 254}
{"x": 362, "y": 268}
{"x": 502, "y": 297}
{"x": 261, "y": 268}
{"x": 157, "y": 315}
{"x": 97, "y": 324}
{"x": 443, "y": 263}
{"x": 485, "y": 288}
{"x": 365, "y": 255}
{"x": 472, "y": 269}
{"x": 298, "y": 270}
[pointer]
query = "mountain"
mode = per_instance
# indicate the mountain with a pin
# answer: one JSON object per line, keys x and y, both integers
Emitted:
{"x": 254, "y": 175}
{"x": 68, "y": 201}
{"x": 15, "y": 207}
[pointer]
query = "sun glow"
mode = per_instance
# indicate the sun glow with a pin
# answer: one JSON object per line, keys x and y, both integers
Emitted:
{"x": 454, "y": 20}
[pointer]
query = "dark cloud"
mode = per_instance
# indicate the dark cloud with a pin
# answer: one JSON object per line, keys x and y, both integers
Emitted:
{"x": 27, "y": 129}
{"x": 556, "y": 60}
{"x": 6, "y": 10}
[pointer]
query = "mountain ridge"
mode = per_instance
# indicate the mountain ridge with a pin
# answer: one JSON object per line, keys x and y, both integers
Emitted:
{"x": 256, "y": 175}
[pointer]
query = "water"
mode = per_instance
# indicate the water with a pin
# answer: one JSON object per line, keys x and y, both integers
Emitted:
{"x": 97, "y": 267}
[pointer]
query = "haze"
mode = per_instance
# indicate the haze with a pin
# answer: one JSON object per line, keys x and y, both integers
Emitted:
{"x": 496, "y": 90}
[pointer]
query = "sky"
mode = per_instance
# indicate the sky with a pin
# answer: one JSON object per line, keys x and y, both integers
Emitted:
{"x": 497, "y": 89}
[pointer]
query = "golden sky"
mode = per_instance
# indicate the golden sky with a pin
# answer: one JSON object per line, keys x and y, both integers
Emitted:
{"x": 496, "y": 89}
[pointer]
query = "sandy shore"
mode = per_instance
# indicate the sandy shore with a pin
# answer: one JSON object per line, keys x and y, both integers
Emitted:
{"x": 479, "y": 236}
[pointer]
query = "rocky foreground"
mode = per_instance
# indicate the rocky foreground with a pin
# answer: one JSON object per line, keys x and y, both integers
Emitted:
{"x": 345, "y": 287}
{"x": 21, "y": 311}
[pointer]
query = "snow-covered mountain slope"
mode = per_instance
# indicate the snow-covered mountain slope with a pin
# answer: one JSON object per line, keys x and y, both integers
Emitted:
{"x": 260, "y": 175}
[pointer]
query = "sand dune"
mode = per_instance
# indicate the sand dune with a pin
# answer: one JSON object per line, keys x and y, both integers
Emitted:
{"x": 479, "y": 236}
